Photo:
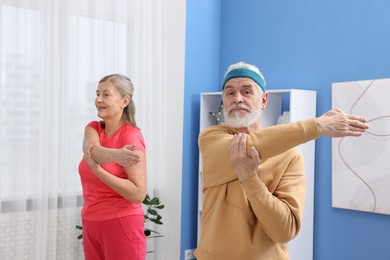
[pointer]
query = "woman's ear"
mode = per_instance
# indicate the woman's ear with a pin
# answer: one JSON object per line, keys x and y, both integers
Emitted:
{"x": 126, "y": 101}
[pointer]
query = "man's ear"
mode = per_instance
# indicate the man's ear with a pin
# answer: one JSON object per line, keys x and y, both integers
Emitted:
{"x": 264, "y": 100}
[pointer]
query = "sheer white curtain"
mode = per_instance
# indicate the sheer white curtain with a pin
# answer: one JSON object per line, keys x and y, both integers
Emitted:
{"x": 53, "y": 53}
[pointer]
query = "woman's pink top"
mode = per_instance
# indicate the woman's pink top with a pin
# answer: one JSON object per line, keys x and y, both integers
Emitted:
{"x": 100, "y": 201}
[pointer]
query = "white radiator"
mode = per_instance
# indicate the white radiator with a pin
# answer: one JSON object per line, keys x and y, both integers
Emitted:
{"x": 18, "y": 235}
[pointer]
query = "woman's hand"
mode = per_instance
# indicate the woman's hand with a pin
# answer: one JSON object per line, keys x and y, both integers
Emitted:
{"x": 126, "y": 156}
{"x": 88, "y": 159}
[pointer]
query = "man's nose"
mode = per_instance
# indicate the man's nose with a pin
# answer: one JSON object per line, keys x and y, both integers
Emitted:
{"x": 238, "y": 98}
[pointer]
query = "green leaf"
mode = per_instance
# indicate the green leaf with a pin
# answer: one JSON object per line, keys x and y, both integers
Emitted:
{"x": 147, "y": 232}
{"x": 153, "y": 231}
{"x": 160, "y": 207}
{"x": 80, "y": 236}
{"x": 157, "y": 221}
{"x": 79, "y": 227}
{"x": 152, "y": 212}
{"x": 146, "y": 200}
{"x": 155, "y": 201}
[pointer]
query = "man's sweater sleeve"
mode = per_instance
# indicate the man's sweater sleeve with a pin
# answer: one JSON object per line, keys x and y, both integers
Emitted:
{"x": 274, "y": 140}
{"x": 214, "y": 142}
{"x": 280, "y": 209}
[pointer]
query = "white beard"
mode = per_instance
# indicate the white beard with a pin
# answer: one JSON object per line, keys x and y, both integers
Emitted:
{"x": 236, "y": 121}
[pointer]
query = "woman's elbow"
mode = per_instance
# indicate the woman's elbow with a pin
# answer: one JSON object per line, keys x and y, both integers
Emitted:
{"x": 136, "y": 198}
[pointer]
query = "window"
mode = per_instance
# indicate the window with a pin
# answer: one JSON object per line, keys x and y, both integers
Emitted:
{"x": 49, "y": 76}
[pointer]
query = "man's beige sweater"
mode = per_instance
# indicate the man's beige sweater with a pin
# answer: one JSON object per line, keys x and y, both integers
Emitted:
{"x": 254, "y": 219}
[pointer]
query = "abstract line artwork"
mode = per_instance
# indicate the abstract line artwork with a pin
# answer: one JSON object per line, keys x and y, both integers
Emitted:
{"x": 361, "y": 165}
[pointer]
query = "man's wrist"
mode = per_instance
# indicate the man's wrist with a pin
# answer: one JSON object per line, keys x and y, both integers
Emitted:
{"x": 246, "y": 177}
{"x": 319, "y": 125}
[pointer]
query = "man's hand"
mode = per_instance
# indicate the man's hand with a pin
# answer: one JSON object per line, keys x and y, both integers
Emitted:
{"x": 244, "y": 166}
{"x": 126, "y": 156}
{"x": 336, "y": 123}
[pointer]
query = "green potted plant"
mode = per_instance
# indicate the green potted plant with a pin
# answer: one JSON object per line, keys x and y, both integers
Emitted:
{"x": 152, "y": 215}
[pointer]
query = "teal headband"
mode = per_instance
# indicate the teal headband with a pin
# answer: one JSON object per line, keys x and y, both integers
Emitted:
{"x": 245, "y": 73}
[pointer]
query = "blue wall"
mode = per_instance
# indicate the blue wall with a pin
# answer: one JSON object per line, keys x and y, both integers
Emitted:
{"x": 201, "y": 75}
{"x": 296, "y": 44}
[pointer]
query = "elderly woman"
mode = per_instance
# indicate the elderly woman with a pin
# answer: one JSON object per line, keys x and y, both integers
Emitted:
{"x": 113, "y": 176}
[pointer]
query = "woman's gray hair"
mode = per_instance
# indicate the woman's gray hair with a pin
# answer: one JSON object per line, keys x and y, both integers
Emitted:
{"x": 125, "y": 87}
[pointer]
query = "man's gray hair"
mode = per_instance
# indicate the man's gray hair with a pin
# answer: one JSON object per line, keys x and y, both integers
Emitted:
{"x": 244, "y": 65}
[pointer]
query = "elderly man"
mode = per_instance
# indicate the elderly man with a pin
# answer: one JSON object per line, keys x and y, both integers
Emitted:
{"x": 253, "y": 182}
